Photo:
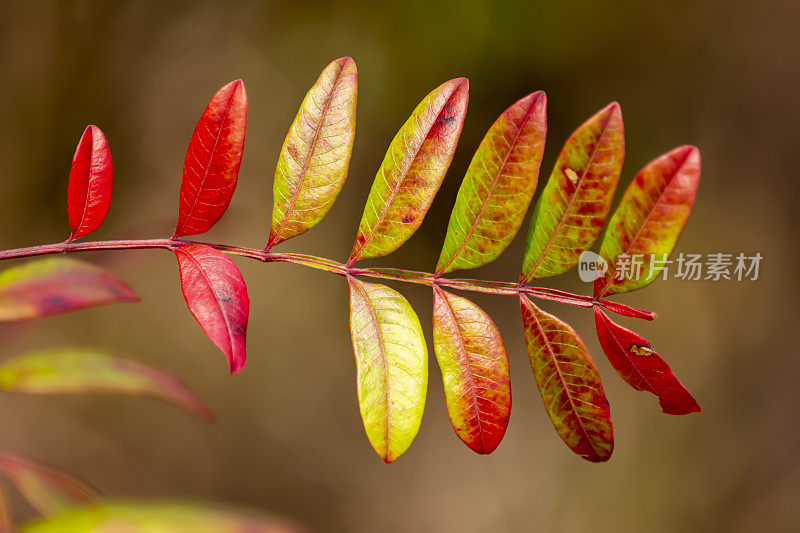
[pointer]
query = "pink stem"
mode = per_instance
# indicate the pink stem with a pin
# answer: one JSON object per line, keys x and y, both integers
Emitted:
{"x": 320, "y": 263}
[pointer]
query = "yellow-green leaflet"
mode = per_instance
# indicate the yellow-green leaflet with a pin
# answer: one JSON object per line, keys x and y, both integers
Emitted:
{"x": 315, "y": 156}
{"x": 391, "y": 366}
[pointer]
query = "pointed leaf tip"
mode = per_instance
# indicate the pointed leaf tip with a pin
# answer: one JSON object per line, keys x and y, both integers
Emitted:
{"x": 569, "y": 383}
{"x": 649, "y": 219}
{"x": 90, "y": 185}
{"x": 412, "y": 171}
{"x": 391, "y": 366}
{"x": 211, "y": 167}
{"x": 315, "y": 155}
{"x": 571, "y": 212}
{"x": 216, "y": 294}
{"x": 474, "y": 365}
{"x": 497, "y": 188}
{"x": 642, "y": 367}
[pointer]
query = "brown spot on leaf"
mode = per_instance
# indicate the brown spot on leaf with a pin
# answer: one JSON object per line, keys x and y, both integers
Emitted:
{"x": 571, "y": 175}
{"x": 635, "y": 349}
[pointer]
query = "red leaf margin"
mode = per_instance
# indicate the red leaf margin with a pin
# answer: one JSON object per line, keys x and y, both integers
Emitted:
{"x": 90, "y": 185}
{"x": 216, "y": 295}
{"x": 642, "y": 367}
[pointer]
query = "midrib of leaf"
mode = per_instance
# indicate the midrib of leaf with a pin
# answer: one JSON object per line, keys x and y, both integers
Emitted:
{"x": 219, "y": 306}
{"x": 465, "y": 359}
{"x": 304, "y": 169}
{"x": 647, "y": 218}
{"x": 208, "y": 163}
{"x": 384, "y": 356}
{"x": 569, "y": 204}
{"x": 491, "y": 190}
{"x": 561, "y": 378}
{"x": 396, "y": 189}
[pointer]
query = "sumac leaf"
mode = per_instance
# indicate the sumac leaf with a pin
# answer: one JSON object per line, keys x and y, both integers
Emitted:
{"x": 572, "y": 209}
{"x": 391, "y": 366}
{"x": 497, "y": 188}
{"x": 216, "y": 294}
{"x": 474, "y": 367}
{"x": 57, "y": 285}
{"x": 315, "y": 156}
{"x": 569, "y": 384}
{"x": 212, "y": 162}
{"x": 650, "y": 218}
{"x": 49, "y": 491}
{"x": 90, "y": 183}
{"x": 412, "y": 171}
{"x": 72, "y": 371}
{"x": 160, "y": 517}
{"x": 641, "y": 367}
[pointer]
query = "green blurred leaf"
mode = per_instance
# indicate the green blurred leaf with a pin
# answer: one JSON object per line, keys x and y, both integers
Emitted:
{"x": 57, "y": 285}
{"x": 70, "y": 371}
{"x": 474, "y": 367}
{"x": 569, "y": 384}
{"x": 649, "y": 219}
{"x": 497, "y": 188}
{"x": 391, "y": 366}
{"x": 412, "y": 171}
{"x": 49, "y": 491}
{"x": 160, "y": 518}
{"x": 315, "y": 156}
{"x": 572, "y": 209}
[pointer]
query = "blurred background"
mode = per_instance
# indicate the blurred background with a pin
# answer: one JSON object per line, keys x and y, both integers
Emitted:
{"x": 721, "y": 75}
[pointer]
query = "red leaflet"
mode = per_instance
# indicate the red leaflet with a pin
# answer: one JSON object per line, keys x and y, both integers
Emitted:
{"x": 216, "y": 295}
{"x": 641, "y": 367}
{"x": 90, "y": 183}
{"x": 211, "y": 167}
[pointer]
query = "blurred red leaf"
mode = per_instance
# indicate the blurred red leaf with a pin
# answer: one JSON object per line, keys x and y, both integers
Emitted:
{"x": 641, "y": 367}
{"x": 90, "y": 183}
{"x": 57, "y": 285}
{"x": 49, "y": 491}
{"x": 217, "y": 297}
{"x": 212, "y": 162}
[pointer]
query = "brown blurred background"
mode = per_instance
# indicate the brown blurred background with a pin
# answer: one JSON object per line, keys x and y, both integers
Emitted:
{"x": 721, "y": 75}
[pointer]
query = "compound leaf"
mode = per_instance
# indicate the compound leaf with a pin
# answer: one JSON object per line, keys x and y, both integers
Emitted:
{"x": 572, "y": 209}
{"x": 569, "y": 384}
{"x": 57, "y": 285}
{"x": 650, "y": 218}
{"x": 641, "y": 367}
{"x": 216, "y": 294}
{"x": 315, "y": 156}
{"x": 391, "y": 366}
{"x": 497, "y": 188}
{"x": 71, "y": 371}
{"x": 474, "y": 367}
{"x": 412, "y": 171}
{"x": 90, "y": 183}
{"x": 212, "y": 162}
{"x": 162, "y": 518}
{"x": 49, "y": 491}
